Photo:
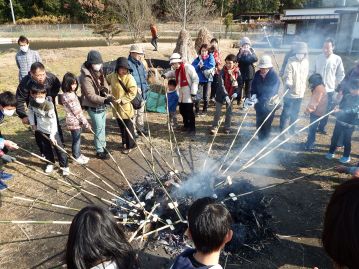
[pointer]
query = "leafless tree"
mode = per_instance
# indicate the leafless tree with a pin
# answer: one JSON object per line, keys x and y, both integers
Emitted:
{"x": 135, "y": 13}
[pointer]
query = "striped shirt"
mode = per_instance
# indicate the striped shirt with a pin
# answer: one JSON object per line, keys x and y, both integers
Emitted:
{"x": 24, "y": 60}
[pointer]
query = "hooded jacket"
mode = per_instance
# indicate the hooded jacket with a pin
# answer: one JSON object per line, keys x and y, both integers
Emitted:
{"x": 296, "y": 76}
{"x": 90, "y": 93}
{"x": 140, "y": 75}
{"x": 186, "y": 91}
{"x": 183, "y": 261}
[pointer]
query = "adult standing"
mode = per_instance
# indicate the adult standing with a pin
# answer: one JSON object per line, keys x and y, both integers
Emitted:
{"x": 96, "y": 97}
{"x": 154, "y": 34}
{"x": 124, "y": 89}
{"x": 265, "y": 86}
{"x": 187, "y": 83}
{"x": 139, "y": 73}
{"x": 204, "y": 65}
{"x": 295, "y": 79}
{"x": 330, "y": 67}
{"x": 37, "y": 76}
{"x": 25, "y": 57}
{"x": 246, "y": 58}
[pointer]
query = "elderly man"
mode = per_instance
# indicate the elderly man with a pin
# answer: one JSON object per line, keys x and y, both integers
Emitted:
{"x": 330, "y": 67}
{"x": 140, "y": 75}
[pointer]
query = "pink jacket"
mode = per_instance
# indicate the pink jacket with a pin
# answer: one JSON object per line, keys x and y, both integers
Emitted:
{"x": 75, "y": 117}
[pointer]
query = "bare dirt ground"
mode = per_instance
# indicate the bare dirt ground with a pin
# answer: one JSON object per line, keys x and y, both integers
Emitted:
{"x": 297, "y": 208}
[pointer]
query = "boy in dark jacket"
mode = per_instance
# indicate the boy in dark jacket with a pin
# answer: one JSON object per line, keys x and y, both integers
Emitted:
{"x": 246, "y": 58}
{"x": 347, "y": 118}
{"x": 209, "y": 227}
{"x": 230, "y": 81}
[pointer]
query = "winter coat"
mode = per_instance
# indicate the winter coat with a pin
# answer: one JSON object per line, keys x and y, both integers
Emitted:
{"x": 349, "y": 110}
{"x": 222, "y": 91}
{"x": 43, "y": 116}
{"x": 172, "y": 100}
{"x": 90, "y": 92}
{"x": 192, "y": 88}
{"x": 208, "y": 63}
{"x": 24, "y": 60}
{"x": 318, "y": 102}
{"x": 183, "y": 261}
{"x": 296, "y": 76}
{"x": 75, "y": 117}
{"x": 245, "y": 63}
{"x": 331, "y": 69}
{"x": 288, "y": 55}
{"x": 125, "y": 108}
{"x": 140, "y": 75}
{"x": 265, "y": 89}
{"x": 52, "y": 86}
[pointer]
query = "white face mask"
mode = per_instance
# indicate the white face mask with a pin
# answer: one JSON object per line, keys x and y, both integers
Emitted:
{"x": 8, "y": 113}
{"x": 40, "y": 100}
{"x": 300, "y": 56}
{"x": 24, "y": 48}
{"x": 97, "y": 67}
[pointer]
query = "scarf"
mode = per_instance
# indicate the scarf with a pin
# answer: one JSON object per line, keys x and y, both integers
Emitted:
{"x": 228, "y": 78}
{"x": 181, "y": 72}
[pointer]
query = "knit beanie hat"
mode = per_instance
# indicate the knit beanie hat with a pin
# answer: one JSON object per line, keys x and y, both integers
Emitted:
{"x": 94, "y": 57}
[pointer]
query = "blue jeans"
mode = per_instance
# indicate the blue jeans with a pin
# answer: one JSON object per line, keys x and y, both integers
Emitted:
{"x": 291, "y": 108}
{"x": 98, "y": 118}
{"x": 76, "y": 142}
{"x": 312, "y": 131}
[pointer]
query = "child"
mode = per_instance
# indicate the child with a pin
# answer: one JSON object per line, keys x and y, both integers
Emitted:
{"x": 316, "y": 108}
{"x": 209, "y": 227}
{"x": 230, "y": 81}
{"x": 96, "y": 241}
{"x": 7, "y": 109}
{"x": 43, "y": 120}
{"x": 214, "y": 49}
{"x": 347, "y": 118}
{"x": 172, "y": 97}
{"x": 75, "y": 118}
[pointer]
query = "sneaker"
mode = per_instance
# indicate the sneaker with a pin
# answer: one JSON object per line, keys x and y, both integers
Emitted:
{"x": 82, "y": 160}
{"x": 330, "y": 156}
{"x": 85, "y": 158}
{"x": 5, "y": 176}
{"x": 49, "y": 169}
{"x": 102, "y": 155}
{"x": 127, "y": 151}
{"x": 3, "y": 186}
{"x": 66, "y": 171}
{"x": 213, "y": 130}
{"x": 344, "y": 159}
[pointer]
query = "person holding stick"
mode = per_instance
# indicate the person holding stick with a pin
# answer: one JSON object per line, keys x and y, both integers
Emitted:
{"x": 347, "y": 115}
{"x": 43, "y": 121}
{"x": 75, "y": 118}
{"x": 7, "y": 109}
{"x": 124, "y": 89}
{"x": 265, "y": 87}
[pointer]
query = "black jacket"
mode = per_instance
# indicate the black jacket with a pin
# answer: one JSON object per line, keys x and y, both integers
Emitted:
{"x": 245, "y": 63}
{"x": 349, "y": 110}
{"x": 52, "y": 85}
{"x": 221, "y": 92}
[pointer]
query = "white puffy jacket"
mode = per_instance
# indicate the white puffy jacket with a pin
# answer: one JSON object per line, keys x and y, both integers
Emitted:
{"x": 296, "y": 76}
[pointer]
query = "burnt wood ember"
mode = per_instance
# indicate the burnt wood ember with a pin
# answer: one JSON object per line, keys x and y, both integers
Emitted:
{"x": 251, "y": 219}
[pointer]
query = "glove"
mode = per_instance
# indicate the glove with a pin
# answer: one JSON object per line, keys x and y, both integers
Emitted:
{"x": 254, "y": 99}
{"x": 234, "y": 96}
{"x": 109, "y": 99}
{"x": 7, "y": 158}
{"x": 194, "y": 98}
{"x": 228, "y": 100}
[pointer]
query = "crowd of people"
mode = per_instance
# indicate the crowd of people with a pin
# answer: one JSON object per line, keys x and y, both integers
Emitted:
{"x": 95, "y": 240}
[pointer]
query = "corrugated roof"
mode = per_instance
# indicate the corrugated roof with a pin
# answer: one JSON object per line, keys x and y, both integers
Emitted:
{"x": 309, "y": 17}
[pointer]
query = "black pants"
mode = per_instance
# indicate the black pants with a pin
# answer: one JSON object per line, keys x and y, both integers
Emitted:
{"x": 47, "y": 148}
{"x": 186, "y": 110}
{"x": 204, "y": 86}
{"x": 126, "y": 137}
{"x": 264, "y": 132}
{"x": 154, "y": 42}
{"x": 324, "y": 121}
{"x": 346, "y": 133}
{"x": 245, "y": 92}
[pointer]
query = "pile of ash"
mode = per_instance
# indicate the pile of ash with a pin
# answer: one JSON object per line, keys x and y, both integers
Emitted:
{"x": 250, "y": 215}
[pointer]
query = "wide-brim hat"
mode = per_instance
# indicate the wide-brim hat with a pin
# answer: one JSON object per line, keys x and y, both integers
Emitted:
{"x": 122, "y": 62}
{"x": 175, "y": 58}
{"x": 265, "y": 62}
{"x": 136, "y": 49}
